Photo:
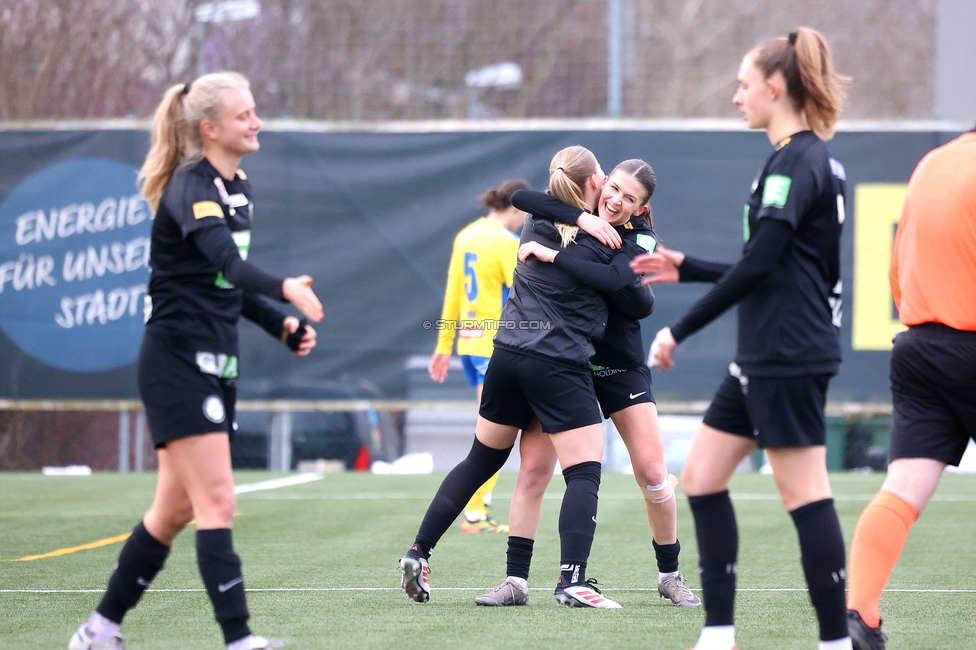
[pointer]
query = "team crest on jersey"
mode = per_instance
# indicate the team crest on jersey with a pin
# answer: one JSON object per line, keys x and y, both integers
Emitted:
{"x": 647, "y": 242}
{"x": 776, "y": 190}
{"x": 213, "y": 409}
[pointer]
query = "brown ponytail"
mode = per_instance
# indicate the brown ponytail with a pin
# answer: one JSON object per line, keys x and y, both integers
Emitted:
{"x": 500, "y": 199}
{"x": 813, "y": 85}
{"x": 176, "y": 135}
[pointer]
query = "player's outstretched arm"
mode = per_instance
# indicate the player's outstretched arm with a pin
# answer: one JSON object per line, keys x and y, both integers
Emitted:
{"x": 298, "y": 291}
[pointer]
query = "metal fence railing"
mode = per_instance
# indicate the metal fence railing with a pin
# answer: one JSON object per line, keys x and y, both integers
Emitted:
{"x": 132, "y": 441}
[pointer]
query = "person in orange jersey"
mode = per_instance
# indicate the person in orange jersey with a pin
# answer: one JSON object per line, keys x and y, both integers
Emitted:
{"x": 933, "y": 369}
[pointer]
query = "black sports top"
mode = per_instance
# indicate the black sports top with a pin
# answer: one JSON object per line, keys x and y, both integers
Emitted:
{"x": 549, "y": 312}
{"x": 788, "y": 282}
{"x": 200, "y": 237}
{"x": 628, "y": 300}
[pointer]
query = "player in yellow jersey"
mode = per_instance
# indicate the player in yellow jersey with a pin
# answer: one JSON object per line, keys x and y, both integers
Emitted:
{"x": 478, "y": 279}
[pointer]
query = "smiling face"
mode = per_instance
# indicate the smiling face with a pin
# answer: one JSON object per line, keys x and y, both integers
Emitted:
{"x": 623, "y": 196}
{"x": 754, "y": 96}
{"x": 236, "y": 127}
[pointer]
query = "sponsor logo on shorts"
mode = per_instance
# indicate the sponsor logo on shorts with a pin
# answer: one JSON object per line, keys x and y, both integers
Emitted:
{"x": 213, "y": 409}
{"x": 636, "y": 395}
{"x": 607, "y": 372}
{"x": 220, "y": 365}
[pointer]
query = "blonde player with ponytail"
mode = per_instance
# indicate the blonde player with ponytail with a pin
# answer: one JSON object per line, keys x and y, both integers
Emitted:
{"x": 200, "y": 285}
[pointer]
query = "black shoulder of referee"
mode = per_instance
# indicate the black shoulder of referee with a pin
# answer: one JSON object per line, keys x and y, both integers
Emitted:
{"x": 766, "y": 247}
{"x": 217, "y": 245}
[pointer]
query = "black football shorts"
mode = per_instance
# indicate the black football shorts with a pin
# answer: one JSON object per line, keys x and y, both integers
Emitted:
{"x": 618, "y": 388}
{"x": 180, "y": 399}
{"x": 933, "y": 393}
{"x": 774, "y": 411}
{"x": 519, "y": 387}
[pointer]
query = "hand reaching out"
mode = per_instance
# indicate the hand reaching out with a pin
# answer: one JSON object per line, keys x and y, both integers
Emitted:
{"x": 298, "y": 291}
{"x": 661, "y": 349}
{"x": 659, "y": 266}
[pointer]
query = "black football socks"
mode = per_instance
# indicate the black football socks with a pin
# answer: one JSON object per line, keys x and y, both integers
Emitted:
{"x": 220, "y": 568}
{"x": 455, "y": 491}
{"x": 577, "y": 519}
{"x": 822, "y": 555}
{"x": 718, "y": 550}
{"x": 520, "y": 556}
{"x": 667, "y": 556}
{"x": 141, "y": 559}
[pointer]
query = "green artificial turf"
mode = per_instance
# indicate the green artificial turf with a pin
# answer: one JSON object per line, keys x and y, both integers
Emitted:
{"x": 320, "y": 565}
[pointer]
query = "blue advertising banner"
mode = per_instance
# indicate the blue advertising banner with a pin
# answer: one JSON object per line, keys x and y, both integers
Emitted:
{"x": 371, "y": 215}
{"x": 74, "y": 265}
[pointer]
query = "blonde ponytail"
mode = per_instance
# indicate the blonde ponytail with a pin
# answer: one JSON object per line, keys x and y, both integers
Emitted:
{"x": 176, "y": 135}
{"x": 168, "y": 146}
{"x": 569, "y": 171}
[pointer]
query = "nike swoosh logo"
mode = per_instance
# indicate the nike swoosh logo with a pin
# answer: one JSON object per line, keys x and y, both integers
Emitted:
{"x": 224, "y": 587}
{"x": 633, "y": 396}
{"x": 143, "y": 582}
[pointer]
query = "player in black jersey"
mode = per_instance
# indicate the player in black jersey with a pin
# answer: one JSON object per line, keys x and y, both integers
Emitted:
{"x": 621, "y": 381}
{"x": 787, "y": 286}
{"x": 200, "y": 285}
{"x": 539, "y": 369}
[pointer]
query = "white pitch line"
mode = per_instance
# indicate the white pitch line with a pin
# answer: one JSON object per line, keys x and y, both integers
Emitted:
{"x": 373, "y": 589}
{"x": 371, "y": 496}
{"x": 275, "y": 483}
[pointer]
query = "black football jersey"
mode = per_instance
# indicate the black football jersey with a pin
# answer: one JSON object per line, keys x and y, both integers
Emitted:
{"x": 622, "y": 345}
{"x": 187, "y": 293}
{"x": 789, "y": 325}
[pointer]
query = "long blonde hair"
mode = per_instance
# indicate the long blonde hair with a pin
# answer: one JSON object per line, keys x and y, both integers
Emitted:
{"x": 176, "y": 135}
{"x": 813, "y": 85}
{"x": 569, "y": 171}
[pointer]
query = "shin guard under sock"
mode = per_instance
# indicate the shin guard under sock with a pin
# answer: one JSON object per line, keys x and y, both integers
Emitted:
{"x": 822, "y": 554}
{"x": 220, "y": 568}
{"x": 718, "y": 550}
{"x": 520, "y": 556}
{"x": 577, "y": 518}
{"x": 481, "y": 463}
{"x": 141, "y": 559}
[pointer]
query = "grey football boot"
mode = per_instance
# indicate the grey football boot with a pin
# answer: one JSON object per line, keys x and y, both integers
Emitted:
{"x": 509, "y": 592}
